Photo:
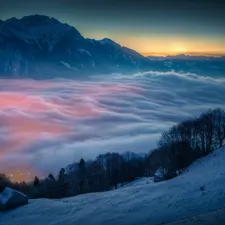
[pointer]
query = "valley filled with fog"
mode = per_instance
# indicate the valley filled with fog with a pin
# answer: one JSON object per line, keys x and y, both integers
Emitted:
{"x": 47, "y": 124}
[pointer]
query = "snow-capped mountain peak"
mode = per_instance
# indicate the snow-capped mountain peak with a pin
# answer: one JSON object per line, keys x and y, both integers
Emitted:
{"x": 36, "y": 26}
{"x": 44, "y": 42}
{"x": 108, "y": 41}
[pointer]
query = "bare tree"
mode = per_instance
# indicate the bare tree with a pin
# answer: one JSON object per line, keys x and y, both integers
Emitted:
{"x": 220, "y": 126}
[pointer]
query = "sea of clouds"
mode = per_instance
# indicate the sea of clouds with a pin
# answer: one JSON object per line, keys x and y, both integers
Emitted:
{"x": 45, "y": 125}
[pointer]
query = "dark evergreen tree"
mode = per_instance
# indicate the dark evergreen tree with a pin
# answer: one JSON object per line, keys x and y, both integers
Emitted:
{"x": 82, "y": 175}
{"x": 62, "y": 183}
{"x": 36, "y": 182}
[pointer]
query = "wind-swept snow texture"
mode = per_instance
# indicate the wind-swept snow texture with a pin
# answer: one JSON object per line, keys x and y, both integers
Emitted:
{"x": 209, "y": 218}
{"x": 138, "y": 204}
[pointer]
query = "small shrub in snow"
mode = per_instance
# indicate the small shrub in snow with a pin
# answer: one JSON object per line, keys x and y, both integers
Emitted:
{"x": 161, "y": 174}
{"x": 202, "y": 188}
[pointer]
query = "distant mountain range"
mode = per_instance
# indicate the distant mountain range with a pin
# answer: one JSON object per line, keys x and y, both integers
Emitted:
{"x": 201, "y": 65}
{"x": 41, "y": 46}
{"x": 184, "y": 57}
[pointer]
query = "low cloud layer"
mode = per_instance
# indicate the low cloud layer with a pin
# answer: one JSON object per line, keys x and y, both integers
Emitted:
{"x": 45, "y": 125}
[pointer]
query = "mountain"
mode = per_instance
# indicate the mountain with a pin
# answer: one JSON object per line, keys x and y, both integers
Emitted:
{"x": 201, "y": 65}
{"x": 192, "y": 196}
{"x": 185, "y": 57}
{"x": 42, "y": 46}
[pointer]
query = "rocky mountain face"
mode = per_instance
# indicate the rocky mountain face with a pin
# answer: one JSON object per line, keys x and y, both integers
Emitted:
{"x": 40, "y": 46}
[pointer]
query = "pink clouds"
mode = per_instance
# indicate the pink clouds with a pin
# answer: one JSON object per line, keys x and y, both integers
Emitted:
{"x": 45, "y": 125}
{"x": 24, "y": 131}
{"x": 22, "y": 101}
{"x": 10, "y": 100}
{"x": 33, "y": 111}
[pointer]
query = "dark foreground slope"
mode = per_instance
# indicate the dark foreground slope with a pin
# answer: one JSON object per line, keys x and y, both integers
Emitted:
{"x": 141, "y": 203}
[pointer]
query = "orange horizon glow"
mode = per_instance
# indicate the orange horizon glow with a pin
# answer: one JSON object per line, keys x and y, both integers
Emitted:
{"x": 160, "y": 45}
{"x": 164, "y": 54}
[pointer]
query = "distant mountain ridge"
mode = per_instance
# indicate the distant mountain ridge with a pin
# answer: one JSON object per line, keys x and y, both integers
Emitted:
{"x": 201, "y": 65}
{"x": 42, "y": 46}
{"x": 185, "y": 57}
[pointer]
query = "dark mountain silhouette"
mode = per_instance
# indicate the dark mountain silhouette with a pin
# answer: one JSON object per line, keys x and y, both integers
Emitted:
{"x": 41, "y": 46}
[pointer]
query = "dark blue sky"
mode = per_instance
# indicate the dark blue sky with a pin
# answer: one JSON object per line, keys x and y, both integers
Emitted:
{"x": 155, "y": 26}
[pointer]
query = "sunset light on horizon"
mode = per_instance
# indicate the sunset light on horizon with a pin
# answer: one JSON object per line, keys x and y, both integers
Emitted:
{"x": 112, "y": 112}
{"x": 149, "y": 27}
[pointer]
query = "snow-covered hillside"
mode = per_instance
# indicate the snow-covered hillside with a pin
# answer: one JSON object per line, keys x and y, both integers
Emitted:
{"x": 200, "y": 189}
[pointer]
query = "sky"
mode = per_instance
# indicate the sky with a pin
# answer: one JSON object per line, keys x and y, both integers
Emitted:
{"x": 154, "y": 27}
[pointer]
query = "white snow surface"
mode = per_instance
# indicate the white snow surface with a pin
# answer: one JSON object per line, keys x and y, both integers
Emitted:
{"x": 142, "y": 203}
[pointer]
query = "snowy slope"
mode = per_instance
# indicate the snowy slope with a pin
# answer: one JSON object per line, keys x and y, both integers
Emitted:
{"x": 209, "y": 218}
{"x": 138, "y": 204}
